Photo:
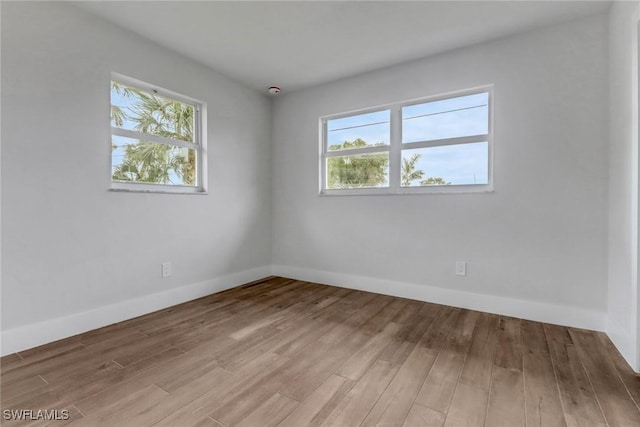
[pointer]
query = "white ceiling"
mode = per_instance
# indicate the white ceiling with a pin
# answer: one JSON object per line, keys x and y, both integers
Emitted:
{"x": 296, "y": 44}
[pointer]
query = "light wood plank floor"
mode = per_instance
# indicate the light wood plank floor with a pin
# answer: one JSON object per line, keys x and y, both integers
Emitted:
{"x": 281, "y": 352}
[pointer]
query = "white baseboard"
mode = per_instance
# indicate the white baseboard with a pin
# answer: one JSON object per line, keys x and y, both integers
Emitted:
{"x": 623, "y": 339}
{"x": 36, "y": 334}
{"x": 530, "y": 310}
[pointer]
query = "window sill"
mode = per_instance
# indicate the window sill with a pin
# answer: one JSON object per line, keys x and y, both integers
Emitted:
{"x": 435, "y": 190}
{"x": 150, "y": 188}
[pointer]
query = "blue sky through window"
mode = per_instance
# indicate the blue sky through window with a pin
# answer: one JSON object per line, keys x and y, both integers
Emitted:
{"x": 460, "y": 164}
{"x": 117, "y": 155}
{"x": 461, "y": 116}
{"x": 449, "y": 118}
{"x": 373, "y": 128}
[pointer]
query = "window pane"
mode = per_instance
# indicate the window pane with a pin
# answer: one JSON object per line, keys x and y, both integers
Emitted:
{"x": 448, "y": 118}
{"x": 363, "y": 130}
{"x": 461, "y": 164}
{"x": 359, "y": 171}
{"x": 142, "y": 111}
{"x": 133, "y": 160}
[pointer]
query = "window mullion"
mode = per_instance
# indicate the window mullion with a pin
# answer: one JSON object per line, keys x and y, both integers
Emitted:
{"x": 197, "y": 139}
{"x": 396, "y": 147}
{"x": 447, "y": 141}
{"x": 323, "y": 157}
{"x": 152, "y": 138}
{"x": 357, "y": 151}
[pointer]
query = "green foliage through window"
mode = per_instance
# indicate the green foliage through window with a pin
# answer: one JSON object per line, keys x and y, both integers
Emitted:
{"x": 145, "y": 154}
{"x": 357, "y": 171}
{"x": 410, "y": 147}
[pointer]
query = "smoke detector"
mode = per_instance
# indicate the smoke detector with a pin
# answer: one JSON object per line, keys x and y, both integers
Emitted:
{"x": 274, "y": 90}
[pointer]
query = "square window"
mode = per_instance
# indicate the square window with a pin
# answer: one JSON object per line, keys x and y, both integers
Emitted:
{"x": 157, "y": 139}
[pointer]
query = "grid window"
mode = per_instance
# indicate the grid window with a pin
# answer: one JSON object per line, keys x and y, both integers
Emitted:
{"x": 156, "y": 139}
{"x": 440, "y": 144}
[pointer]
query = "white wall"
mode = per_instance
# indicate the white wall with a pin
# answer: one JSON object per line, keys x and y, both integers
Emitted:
{"x": 536, "y": 247}
{"x": 622, "y": 311}
{"x": 76, "y": 256}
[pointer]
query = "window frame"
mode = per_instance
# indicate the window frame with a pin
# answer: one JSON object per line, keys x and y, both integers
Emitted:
{"x": 199, "y": 143}
{"x": 396, "y": 146}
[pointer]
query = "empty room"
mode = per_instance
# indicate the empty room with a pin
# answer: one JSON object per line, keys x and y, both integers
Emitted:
{"x": 301, "y": 213}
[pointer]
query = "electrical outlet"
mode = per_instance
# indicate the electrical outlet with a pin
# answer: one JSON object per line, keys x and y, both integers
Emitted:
{"x": 166, "y": 269}
{"x": 461, "y": 268}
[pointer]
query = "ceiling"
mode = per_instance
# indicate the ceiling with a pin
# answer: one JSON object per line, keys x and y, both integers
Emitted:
{"x": 297, "y": 44}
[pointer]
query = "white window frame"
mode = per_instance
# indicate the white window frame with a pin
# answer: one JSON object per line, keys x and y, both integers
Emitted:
{"x": 396, "y": 146}
{"x": 199, "y": 143}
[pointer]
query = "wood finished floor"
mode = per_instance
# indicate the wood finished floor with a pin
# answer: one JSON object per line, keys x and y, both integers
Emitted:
{"x": 287, "y": 353}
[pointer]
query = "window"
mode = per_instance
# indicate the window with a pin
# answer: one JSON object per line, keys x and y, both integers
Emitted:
{"x": 435, "y": 145}
{"x": 157, "y": 141}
